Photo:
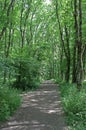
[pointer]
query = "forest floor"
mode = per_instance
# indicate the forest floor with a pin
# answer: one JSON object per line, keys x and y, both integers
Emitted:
{"x": 40, "y": 110}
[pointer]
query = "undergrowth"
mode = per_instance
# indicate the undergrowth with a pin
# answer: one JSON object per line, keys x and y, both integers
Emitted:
{"x": 9, "y": 102}
{"x": 74, "y": 104}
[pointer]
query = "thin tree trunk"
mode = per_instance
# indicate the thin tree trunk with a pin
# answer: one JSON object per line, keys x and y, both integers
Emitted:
{"x": 79, "y": 54}
{"x": 74, "y": 72}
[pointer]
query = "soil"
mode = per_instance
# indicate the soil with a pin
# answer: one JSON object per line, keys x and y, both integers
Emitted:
{"x": 40, "y": 110}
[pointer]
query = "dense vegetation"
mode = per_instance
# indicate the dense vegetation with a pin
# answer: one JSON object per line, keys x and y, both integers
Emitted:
{"x": 43, "y": 39}
{"x": 9, "y": 102}
{"x": 74, "y": 104}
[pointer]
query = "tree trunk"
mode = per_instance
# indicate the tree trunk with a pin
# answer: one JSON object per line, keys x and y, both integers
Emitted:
{"x": 79, "y": 54}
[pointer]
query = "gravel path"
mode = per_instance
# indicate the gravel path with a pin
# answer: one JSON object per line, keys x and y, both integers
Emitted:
{"x": 40, "y": 110}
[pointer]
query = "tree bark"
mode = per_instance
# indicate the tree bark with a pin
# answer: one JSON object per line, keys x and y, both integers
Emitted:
{"x": 74, "y": 72}
{"x": 79, "y": 54}
{"x": 64, "y": 44}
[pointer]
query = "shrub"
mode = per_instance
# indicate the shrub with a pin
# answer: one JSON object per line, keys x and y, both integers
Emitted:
{"x": 74, "y": 103}
{"x": 27, "y": 74}
{"x": 4, "y": 110}
{"x": 9, "y": 102}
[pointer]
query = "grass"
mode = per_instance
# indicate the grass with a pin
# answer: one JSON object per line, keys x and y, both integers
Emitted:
{"x": 74, "y": 104}
{"x": 9, "y": 102}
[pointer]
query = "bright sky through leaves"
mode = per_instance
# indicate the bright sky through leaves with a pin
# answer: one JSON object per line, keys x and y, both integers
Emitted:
{"x": 48, "y": 2}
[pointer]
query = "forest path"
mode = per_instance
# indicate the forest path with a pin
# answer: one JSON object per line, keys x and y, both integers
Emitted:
{"x": 40, "y": 110}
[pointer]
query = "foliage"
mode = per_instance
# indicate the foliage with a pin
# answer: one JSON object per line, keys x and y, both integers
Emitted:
{"x": 9, "y": 102}
{"x": 74, "y": 104}
{"x": 41, "y": 40}
{"x": 26, "y": 74}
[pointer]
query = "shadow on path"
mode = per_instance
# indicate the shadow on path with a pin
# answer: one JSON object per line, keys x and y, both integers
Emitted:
{"x": 40, "y": 110}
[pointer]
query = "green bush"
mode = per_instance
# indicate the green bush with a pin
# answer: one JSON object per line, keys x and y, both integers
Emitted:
{"x": 74, "y": 103}
{"x": 27, "y": 74}
{"x": 9, "y": 102}
{"x": 4, "y": 110}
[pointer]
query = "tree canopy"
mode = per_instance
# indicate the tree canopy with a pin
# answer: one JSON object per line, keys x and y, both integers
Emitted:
{"x": 42, "y": 39}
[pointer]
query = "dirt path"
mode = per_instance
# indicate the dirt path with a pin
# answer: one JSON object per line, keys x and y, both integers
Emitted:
{"x": 40, "y": 110}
